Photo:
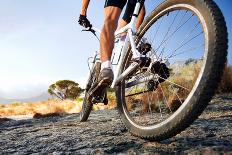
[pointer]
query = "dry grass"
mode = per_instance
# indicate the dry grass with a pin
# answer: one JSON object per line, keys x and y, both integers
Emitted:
{"x": 112, "y": 100}
{"x": 51, "y": 107}
{"x": 45, "y": 107}
{"x": 172, "y": 96}
{"x": 225, "y": 85}
{"x": 187, "y": 79}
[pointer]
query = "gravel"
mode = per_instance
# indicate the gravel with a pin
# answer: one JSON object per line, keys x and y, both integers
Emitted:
{"x": 105, "y": 134}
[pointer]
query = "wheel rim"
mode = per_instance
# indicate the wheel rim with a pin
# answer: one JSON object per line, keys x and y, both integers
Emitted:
{"x": 86, "y": 106}
{"x": 83, "y": 107}
{"x": 155, "y": 114}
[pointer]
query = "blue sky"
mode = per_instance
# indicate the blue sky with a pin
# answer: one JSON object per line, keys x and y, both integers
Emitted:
{"x": 41, "y": 42}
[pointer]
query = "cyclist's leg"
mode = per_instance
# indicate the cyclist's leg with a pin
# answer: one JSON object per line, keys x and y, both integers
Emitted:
{"x": 140, "y": 17}
{"x": 112, "y": 15}
{"x": 128, "y": 14}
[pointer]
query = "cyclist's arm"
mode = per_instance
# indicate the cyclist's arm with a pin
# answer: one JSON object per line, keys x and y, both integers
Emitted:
{"x": 83, "y": 21}
{"x": 84, "y": 7}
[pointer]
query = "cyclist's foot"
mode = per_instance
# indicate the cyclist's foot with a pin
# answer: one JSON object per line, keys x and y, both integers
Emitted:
{"x": 105, "y": 79}
{"x": 101, "y": 99}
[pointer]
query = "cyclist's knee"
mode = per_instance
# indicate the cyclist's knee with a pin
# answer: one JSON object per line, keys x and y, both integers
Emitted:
{"x": 112, "y": 15}
{"x": 110, "y": 23}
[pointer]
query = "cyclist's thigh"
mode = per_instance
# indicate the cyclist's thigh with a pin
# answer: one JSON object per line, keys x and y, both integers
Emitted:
{"x": 116, "y": 3}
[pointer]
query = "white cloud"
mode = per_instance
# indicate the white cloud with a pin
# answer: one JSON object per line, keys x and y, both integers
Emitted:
{"x": 24, "y": 86}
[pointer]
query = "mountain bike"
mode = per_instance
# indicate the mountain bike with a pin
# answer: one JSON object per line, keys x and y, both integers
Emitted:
{"x": 168, "y": 70}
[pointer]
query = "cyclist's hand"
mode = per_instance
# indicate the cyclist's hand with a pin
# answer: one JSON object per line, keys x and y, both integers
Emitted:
{"x": 83, "y": 21}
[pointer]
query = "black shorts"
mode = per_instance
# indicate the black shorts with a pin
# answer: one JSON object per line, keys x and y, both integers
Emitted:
{"x": 117, "y": 3}
{"x": 120, "y": 4}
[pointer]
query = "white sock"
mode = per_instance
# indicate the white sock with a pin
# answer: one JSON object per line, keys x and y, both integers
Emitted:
{"x": 106, "y": 64}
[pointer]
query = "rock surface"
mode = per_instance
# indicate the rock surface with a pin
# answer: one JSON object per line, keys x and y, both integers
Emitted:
{"x": 105, "y": 134}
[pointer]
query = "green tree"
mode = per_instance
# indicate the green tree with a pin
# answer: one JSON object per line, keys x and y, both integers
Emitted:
{"x": 65, "y": 89}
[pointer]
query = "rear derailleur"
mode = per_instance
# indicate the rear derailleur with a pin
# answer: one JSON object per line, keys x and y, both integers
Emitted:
{"x": 157, "y": 68}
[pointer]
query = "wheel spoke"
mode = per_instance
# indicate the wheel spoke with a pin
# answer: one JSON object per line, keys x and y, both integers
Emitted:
{"x": 171, "y": 35}
{"x": 156, "y": 90}
{"x": 157, "y": 30}
{"x": 161, "y": 115}
{"x": 177, "y": 95}
{"x": 187, "y": 36}
{"x": 187, "y": 42}
{"x": 169, "y": 28}
{"x": 184, "y": 51}
{"x": 174, "y": 83}
{"x": 164, "y": 97}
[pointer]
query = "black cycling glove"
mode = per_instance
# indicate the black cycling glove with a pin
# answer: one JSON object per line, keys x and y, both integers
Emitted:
{"x": 83, "y": 21}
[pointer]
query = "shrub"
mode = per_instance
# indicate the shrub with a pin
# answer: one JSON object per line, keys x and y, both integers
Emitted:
{"x": 225, "y": 85}
{"x": 111, "y": 100}
{"x": 17, "y": 104}
{"x": 79, "y": 99}
{"x": 39, "y": 115}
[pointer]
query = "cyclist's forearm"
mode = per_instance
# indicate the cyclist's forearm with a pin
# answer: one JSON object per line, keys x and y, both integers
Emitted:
{"x": 84, "y": 7}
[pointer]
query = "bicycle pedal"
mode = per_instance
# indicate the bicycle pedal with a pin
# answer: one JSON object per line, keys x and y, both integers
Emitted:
{"x": 97, "y": 100}
{"x": 100, "y": 99}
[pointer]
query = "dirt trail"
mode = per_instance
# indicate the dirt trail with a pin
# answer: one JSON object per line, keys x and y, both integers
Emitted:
{"x": 105, "y": 134}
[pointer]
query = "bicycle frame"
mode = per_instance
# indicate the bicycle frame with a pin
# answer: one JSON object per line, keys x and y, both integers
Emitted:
{"x": 130, "y": 30}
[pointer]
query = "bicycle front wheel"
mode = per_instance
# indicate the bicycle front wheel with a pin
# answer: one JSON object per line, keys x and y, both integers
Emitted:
{"x": 86, "y": 105}
{"x": 188, "y": 49}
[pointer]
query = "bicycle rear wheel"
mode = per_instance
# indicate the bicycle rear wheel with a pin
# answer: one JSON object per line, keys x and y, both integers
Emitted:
{"x": 86, "y": 105}
{"x": 183, "y": 68}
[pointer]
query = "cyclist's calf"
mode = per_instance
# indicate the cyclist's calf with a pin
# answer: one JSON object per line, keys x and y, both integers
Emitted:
{"x": 112, "y": 15}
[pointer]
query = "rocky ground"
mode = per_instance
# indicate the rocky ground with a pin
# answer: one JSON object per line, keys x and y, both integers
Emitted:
{"x": 105, "y": 134}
